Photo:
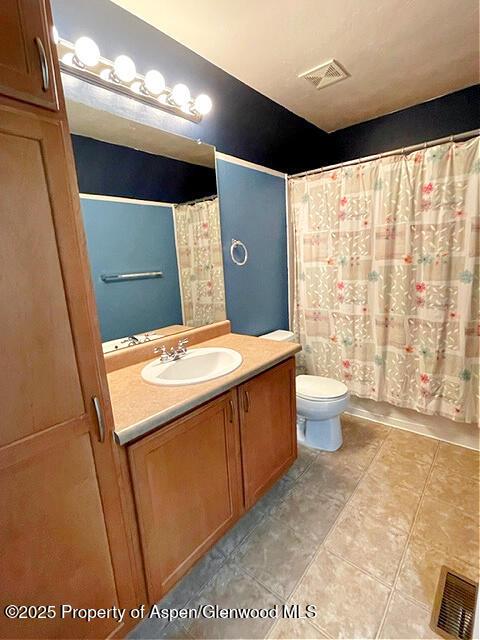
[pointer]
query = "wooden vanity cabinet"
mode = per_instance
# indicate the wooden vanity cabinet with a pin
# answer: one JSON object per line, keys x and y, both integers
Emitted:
{"x": 187, "y": 489}
{"x": 194, "y": 478}
{"x": 267, "y": 428}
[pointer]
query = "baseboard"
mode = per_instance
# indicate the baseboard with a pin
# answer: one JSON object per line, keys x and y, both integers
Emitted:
{"x": 459, "y": 433}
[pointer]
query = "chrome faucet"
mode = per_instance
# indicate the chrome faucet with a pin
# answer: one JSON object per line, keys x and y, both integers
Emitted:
{"x": 175, "y": 353}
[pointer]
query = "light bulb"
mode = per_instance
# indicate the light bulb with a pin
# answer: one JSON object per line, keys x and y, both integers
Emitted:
{"x": 154, "y": 82}
{"x": 68, "y": 59}
{"x": 87, "y": 52}
{"x": 203, "y": 104}
{"x": 124, "y": 68}
{"x": 180, "y": 94}
{"x": 55, "y": 35}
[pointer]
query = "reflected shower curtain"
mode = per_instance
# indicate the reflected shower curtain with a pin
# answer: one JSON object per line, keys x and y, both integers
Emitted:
{"x": 386, "y": 277}
{"x": 200, "y": 263}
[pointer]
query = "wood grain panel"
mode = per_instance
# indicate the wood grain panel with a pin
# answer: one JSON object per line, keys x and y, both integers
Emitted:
{"x": 21, "y": 21}
{"x": 57, "y": 550}
{"x": 186, "y": 485}
{"x": 268, "y": 428}
{"x": 37, "y": 343}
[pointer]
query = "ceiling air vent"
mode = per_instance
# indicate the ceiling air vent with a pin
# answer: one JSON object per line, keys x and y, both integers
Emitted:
{"x": 325, "y": 74}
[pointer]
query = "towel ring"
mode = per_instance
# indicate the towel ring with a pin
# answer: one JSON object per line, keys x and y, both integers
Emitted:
{"x": 233, "y": 246}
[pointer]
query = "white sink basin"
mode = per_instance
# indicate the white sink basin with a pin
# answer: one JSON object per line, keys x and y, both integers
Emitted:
{"x": 198, "y": 365}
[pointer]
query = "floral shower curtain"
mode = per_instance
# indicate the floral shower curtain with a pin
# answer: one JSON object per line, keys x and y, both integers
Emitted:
{"x": 200, "y": 263}
{"x": 386, "y": 277}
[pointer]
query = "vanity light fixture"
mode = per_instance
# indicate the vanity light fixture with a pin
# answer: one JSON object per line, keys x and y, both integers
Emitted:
{"x": 86, "y": 52}
{"x": 83, "y": 60}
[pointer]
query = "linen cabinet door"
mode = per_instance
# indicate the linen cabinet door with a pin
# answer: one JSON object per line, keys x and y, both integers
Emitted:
{"x": 26, "y": 62}
{"x": 63, "y": 538}
{"x": 267, "y": 428}
{"x": 187, "y": 489}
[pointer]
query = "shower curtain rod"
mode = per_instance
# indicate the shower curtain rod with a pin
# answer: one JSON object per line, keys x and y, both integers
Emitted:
{"x": 205, "y": 199}
{"x": 414, "y": 147}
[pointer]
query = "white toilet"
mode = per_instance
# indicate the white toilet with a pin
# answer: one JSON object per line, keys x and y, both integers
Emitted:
{"x": 320, "y": 401}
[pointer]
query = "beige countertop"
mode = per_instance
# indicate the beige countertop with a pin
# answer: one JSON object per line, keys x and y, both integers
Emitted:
{"x": 140, "y": 407}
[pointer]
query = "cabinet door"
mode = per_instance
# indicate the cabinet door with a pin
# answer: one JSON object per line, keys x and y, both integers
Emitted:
{"x": 267, "y": 428}
{"x": 62, "y": 536}
{"x": 187, "y": 490}
{"x": 26, "y": 68}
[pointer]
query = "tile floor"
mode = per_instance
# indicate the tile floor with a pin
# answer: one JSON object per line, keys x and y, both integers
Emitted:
{"x": 361, "y": 533}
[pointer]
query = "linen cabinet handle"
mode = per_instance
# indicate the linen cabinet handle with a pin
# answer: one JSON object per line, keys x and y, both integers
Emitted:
{"x": 43, "y": 64}
{"x": 100, "y": 419}
{"x": 231, "y": 407}
{"x": 246, "y": 402}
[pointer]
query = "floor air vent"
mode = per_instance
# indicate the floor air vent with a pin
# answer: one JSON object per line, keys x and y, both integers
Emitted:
{"x": 454, "y": 606}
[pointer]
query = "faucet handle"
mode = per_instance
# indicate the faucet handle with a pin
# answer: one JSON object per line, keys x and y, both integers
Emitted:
{"x": 182, "y": 342}
{"x": 164, "y": 357}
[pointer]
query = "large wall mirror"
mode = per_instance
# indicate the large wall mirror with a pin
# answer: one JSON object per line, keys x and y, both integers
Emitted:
{"x": 156, "y": 263}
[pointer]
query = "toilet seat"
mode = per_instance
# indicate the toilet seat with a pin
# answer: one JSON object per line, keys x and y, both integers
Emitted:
{"x": 318, "y": 388}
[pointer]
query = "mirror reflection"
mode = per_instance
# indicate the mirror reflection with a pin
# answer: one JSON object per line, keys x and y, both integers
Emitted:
{"x": 156, "y": 264}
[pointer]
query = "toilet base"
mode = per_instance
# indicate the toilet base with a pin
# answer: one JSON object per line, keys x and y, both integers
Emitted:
{"x": 325, "y": 435}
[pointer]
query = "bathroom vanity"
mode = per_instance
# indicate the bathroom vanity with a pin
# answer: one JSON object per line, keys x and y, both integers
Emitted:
{"x": 194, "y": 476}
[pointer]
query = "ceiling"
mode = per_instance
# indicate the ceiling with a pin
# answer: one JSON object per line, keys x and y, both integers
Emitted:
{"x": 398, "y": 52}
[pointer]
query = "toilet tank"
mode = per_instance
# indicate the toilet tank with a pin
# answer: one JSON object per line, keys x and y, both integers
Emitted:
{"x": 280, "y": 335}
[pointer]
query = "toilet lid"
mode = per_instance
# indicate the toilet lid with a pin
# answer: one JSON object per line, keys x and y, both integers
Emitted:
{"x": 319, "y": 388}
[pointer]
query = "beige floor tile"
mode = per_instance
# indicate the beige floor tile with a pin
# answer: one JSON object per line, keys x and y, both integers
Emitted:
{"x": 275, "y": 495}
{"x": 349, "y": 603}
{"x": 306, "y": 509}
{"x": 369, "y": 543}
{"x": 393, "y": 504}
{"x": 455, "y": 489}
{"x": 463, "y": 461}
{"x": 291, "y": 629}
{"x": 231, "y": 589}
{"x": 356, "y": 429}
{"x": 411, "y": 445}
{"x": 396, "y": 470}
{"x": 276, "y": 555}
{"x": 233, "y": 538}
{"x": 420, "y": 570}
{"x": 304, "y": 459}
{"x": 361, "y": 441}
{"x": 406, "y": 619}
{"x": 440, "y": 524}
{"x": 331, "y": 479}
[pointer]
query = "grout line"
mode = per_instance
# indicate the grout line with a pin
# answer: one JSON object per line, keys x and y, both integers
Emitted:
{"x": 410, "y": 534}
{"x": 341, "y": 511}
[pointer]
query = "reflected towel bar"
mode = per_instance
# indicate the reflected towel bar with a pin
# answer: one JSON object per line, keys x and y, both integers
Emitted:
{"x": 125, "y": 277}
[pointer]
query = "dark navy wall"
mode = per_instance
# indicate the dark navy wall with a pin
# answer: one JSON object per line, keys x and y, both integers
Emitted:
{"x": 252, "y": 209}
{"x": 453, "y": 113}
{"x": 243, "y": 123}
{"x": 124, "y": 237}
{"x": 110, "y": 169}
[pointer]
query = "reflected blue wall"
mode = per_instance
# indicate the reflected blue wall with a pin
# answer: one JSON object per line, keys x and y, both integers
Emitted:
{"x": 124, "y": 237}
{"x": 253, "y": 210}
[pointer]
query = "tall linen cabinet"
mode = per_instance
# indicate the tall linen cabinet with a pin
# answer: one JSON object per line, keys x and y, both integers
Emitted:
{"x": 67, "y": 532}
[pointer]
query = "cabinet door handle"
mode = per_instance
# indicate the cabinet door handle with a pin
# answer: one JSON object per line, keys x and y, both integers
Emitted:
{"x": 100, "y": 420}
{"x": 230, "y": 404}
{"x": 246, "y": 402}
{"x": 43, "y": 64}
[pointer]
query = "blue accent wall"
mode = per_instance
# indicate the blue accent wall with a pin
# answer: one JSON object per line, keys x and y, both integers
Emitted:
{"x": 126, "y": 237}
{"x": 253, "y": 210}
